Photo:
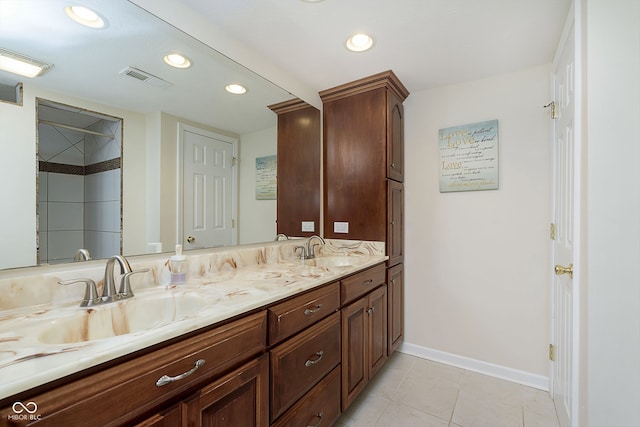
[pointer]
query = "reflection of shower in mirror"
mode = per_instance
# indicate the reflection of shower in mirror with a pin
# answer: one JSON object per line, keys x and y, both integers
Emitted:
{"x": 79, "y": 176}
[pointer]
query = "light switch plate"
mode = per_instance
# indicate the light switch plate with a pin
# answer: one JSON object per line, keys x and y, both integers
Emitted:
{"x": 308, "y": 226}
{"x": 340, "y": 227}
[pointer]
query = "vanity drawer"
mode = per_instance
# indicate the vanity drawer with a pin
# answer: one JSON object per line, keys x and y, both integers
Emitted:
{"x": 319, "y": 407}
{"x": 289, "y": 317}
{"x": 362, "y": 283}
{"x": 300, "y": 362}
{"x": 120, "y": 393}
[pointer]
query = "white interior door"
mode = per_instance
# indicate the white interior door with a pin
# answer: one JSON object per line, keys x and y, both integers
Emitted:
{"x": 564, "y": 244}
{"x": 208, "y": 189}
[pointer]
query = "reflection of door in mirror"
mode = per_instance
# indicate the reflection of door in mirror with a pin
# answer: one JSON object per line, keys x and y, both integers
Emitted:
{"x": 79, "y": 182}
{"x": 208, "y": 189}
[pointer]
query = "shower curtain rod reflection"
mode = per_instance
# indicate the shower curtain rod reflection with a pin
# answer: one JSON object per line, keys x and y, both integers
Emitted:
{"x": 60, "y": 125}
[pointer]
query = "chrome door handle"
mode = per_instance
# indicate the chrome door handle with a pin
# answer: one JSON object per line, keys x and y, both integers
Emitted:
{"x": 166, "y": 379}
{"x": 559, "y": 270}
{"x": 191, "y": 239}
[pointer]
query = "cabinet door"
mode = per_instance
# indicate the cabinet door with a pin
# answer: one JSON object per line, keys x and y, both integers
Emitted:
{"x": 377, "y": 329}
{"x": 171, "y": 417}
{"x": 395, "y": 139}
{"x": 240, "y": 398}
{"x": 355, "y": 339}
{"x": 395, "y": 311}
{"x": 395, "y": 225}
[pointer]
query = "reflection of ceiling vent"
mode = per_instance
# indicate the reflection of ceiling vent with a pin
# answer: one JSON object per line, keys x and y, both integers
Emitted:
{"x": 145, "y": 77}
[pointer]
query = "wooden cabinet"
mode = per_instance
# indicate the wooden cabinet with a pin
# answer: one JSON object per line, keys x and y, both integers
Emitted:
{"x": 295, "y": 314}
{"x": 319, "y": 407}
{"x": 124, "y": 392}
{"x": 240, "y": 398}
{"x": 364, "y": 342}
{"x": 301, "y": 362}
{"x": 298, "y": 152}
{"x": 363, "y": 147}
{"x": 395, "y": 297}
{"x": 363, "y": 128}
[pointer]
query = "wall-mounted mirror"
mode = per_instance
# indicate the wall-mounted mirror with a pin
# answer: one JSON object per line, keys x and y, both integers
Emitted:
{"x": 118, "y": 71}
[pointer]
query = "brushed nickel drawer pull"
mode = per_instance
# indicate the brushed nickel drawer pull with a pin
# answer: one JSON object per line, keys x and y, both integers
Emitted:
{"x": 313, "y": 310}
{"x": 312, "y": 362}
{"x": 166, "y": 379}
{"x": 367, "y": 282}
{"x": 319, "y": 415}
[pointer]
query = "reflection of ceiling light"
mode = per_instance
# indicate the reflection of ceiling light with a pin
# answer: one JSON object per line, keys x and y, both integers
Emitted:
{"x": 236, "y": 89}
{"x": 177, "y": 60}
{"x": 20, "y": 64}
{"x": 85, "y": 16}
{"x": 359, "y": 42}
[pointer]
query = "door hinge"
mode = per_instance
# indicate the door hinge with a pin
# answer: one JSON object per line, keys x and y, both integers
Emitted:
{"x": 552, "y": 352}
{"x": 552, "y": 231}
{"x": 554, "y": 109}
{"x": 233, "y": 161}
{"x": 233, "y": 223}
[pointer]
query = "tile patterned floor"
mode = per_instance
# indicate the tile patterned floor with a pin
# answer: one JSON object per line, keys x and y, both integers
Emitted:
{"x": 410, "y": 391}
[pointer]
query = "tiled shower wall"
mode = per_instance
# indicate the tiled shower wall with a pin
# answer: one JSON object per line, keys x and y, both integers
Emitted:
{"x": 79, "y": 192}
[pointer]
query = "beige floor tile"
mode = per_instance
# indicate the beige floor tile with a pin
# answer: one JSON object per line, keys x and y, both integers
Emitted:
{"x": 483, "y": 386}
{"x": 433, "y": 396}
{"x": 473, "y": 410}
{"x": 412, "y": 391}
{"x": 397, "y": 414}
{"x": 364, "y": 411}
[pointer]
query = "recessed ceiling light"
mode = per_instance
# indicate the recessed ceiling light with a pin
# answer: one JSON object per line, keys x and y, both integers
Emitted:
{"x": 177, "y": 60}
{"x": 359, "y": 42}
{"x": 85, "y": 16}
{"x": 236, "y": 89}
{"x": 21, "y": 64}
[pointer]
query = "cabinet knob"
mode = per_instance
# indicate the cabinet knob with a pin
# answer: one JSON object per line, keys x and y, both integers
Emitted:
{"x": 319, "y": 417}
{"x": 315, "y": 359}
{"x": 166, "y": 379}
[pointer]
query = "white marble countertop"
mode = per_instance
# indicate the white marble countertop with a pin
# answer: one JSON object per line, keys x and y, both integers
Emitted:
{"x": 42, "y": 343}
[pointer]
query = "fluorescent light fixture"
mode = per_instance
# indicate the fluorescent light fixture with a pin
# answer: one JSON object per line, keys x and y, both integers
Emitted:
{"x": 236, "y": 89}
{"x": 177, "y": 60}
{"x": 359, "y": 42}
{"x": 23, "y": 65}
{"x": 85, "y": 16}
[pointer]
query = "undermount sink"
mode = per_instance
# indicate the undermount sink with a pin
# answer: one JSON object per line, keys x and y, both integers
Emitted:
{"x": 335, "y": 261}
{"x": 137, "y": 314}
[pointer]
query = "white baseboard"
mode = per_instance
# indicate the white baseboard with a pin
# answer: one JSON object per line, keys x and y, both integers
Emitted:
{"x": 521, "y": 377}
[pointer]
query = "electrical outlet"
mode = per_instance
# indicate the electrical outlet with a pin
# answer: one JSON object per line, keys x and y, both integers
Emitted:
{"x": 340, "y": 227}
{"x": 308, "y": 226}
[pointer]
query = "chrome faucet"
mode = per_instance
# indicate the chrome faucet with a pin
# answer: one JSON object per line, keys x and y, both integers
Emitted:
{"x": 109, "y": 290}
{"x": 109, "y": 293}
{"x": 82, "y": 255}
{"x": 311, "y": 252}
{"x": 281, "y": 236}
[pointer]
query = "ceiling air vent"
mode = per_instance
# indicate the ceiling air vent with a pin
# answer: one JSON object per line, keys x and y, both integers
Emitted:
{"x": 145, "y": 77}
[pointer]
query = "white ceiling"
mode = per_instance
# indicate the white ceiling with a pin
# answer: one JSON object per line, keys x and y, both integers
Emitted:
{"x": 427, "y": 43}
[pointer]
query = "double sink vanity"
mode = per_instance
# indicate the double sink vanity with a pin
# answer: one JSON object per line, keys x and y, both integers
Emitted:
{"x": 257, "y": 336}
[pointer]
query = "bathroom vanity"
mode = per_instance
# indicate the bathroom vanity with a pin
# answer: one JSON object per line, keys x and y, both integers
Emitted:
{"x": 274, "y": 340}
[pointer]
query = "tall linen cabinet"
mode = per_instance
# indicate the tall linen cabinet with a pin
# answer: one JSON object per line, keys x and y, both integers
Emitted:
{"x": 363, "y": 151}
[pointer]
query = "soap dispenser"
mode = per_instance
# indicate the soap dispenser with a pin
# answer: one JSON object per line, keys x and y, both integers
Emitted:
{"x": 178, "y": 267}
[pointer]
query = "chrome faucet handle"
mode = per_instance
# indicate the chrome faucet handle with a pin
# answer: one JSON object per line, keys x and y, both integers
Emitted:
{"x": 82, "y": 255}
{"x": 90, "y": 294}
{"x": 311, "y": 253}
{"x": 125, "y": 284}
{"x": 109, "y": 291}
{"x": 303, "y": 251}
{"x": 279, "y": 235}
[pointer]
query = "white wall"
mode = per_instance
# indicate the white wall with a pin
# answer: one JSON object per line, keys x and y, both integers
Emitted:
{"x": 477, "y": 263}
{"x": 613, "y": 213}
{"x": 18, "y": 172}
{"x": 256, "y": 218}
